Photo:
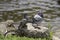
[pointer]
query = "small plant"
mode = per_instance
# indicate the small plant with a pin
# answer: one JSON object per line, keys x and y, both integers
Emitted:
{"x": 14, "y": 37}
{"x": 11, "y": 37}
{"x": 50, "y": 32}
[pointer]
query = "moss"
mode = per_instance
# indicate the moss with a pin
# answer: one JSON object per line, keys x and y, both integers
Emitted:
{"x": 58, "y": 15}
{"x": 5, "y": 16}
{"x": 49, "y": 11}
{"x": 53, "y": 16}
{"x": 36, "y": 8}
{"x": 46, "y": 16}
{"x": 59, "y": 9}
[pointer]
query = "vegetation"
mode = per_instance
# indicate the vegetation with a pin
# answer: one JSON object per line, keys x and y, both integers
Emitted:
{"x": 36, "y": 8}
{"x": 11, "y": 37}
{"x": 14, "y": 37}
{"x": 50, "y": 32}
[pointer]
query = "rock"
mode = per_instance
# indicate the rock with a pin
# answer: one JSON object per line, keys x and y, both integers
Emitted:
{"x": 35, "y": 32}
{"x": 9, "y": 22}
{"x": 58, "y": 1}
{"x": 47, "y": 19}
{"x": 4, "y": 26}
{"x": 55, "y": 38}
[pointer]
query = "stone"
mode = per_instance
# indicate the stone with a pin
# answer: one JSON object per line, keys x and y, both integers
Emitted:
{"x": 35, "y": 32}
{"x": 9, "y": 21}
{"x": 55, "y": 38}
{"x": 4, "y": 26}
{"x": 58, "y": 1}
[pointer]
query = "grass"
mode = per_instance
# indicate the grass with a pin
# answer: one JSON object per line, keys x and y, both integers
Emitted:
{"x": 11, "y": 37}
{"x": 50, "y": 31}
